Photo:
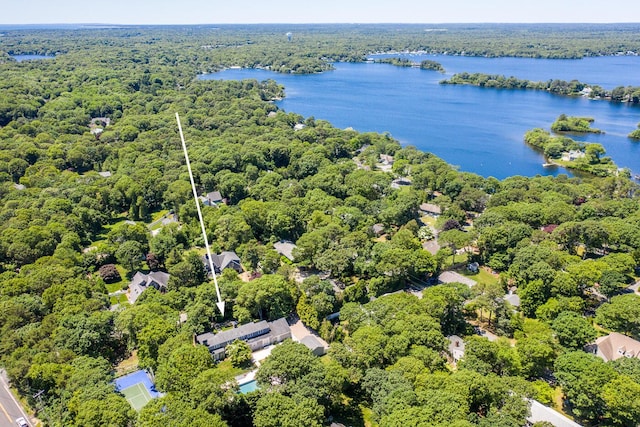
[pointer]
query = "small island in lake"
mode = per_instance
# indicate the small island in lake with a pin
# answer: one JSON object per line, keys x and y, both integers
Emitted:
{"x": 636, "y": 133}
{"x": 565, "y": 152}
{"x": 404, "y": 62}
{"x": 398, "y": 62}
{"x": 568, "y": 124}
{"x": 428, "y": 64}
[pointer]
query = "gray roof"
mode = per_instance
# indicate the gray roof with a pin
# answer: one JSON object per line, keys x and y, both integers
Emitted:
{"x": 248, "y": 332}
{"x": 512, "y": 299}
{"x": 279, "y": 326}
{"x": 311, "y": 342}
{"x": 241, "y": 332}
{"x": 430, "y": 208}
{"x": 377, "y": 228}
{"x": 160, "y": 277}
{"x": 452, "y": 276}
{"x": 223, "y": 260}
{"x": 214, "y": 196}
{"x": 285, "y": 248}
{"x": 140, "y": 282}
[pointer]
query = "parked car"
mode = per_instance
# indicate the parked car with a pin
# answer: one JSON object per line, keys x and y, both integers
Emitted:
{"x": 21, "y": 422}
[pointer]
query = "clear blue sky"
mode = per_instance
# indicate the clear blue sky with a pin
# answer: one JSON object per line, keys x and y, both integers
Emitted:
{"x": 318, "y": 11}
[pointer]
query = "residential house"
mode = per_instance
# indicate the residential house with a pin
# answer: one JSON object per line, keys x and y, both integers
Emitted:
{"x": 430, "y": 209}
{"x": 513, "y": 299}
{"x": 616, "y": 345}
{"x": 400, "y": 182}
{"x": 314, "y": 345}
{"x": 285, "y": 248}
{"x": 221, "y": 261}
{"x": 569, "y": 156}
{"x": 456, "y": 347}
{"x": 257, "y": 334}
{"x": 541, "y": 413}
{"x": 141, "y": 282}
{"x": 213, "y": 198}
{"x": 378, "y": 229}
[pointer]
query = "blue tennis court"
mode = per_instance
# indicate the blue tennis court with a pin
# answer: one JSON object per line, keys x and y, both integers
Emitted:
{"x": 137, "y": 388}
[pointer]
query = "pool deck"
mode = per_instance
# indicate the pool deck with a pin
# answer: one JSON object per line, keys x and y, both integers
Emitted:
{"x": 246, "y": 378}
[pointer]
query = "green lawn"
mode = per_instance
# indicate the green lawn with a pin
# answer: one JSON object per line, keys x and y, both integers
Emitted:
{"x": 113, "y": 287}
{"x": 116, "y": 286}
{"x": 157, "y": 215}
{"x": 118, "y": 299}
{"x": 459, "y": 259}
{"x": 428, "y": 220}
{"x": 482, "y": 276}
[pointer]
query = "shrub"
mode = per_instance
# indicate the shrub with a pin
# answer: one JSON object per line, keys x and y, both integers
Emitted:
{"x": 109, "y": 273}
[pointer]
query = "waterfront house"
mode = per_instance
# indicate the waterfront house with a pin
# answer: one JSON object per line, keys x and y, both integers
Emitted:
{"x": 569, "y": 156}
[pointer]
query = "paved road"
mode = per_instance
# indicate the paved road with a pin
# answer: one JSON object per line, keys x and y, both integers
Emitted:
{"x": 9, "y": 407}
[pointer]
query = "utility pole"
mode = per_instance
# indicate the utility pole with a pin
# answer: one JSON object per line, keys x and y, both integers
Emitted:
{"x": 40, "y": 405}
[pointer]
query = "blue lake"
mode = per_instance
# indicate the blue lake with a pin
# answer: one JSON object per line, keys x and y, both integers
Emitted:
{"x": 480, "y": 130}
{"x": 21, "y": 58}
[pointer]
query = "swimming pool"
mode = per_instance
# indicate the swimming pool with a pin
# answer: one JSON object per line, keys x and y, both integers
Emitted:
{"x": 248, "y": 387}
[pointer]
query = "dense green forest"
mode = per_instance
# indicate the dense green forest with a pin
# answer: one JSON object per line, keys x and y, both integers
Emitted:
{"x": 90, "y": 161}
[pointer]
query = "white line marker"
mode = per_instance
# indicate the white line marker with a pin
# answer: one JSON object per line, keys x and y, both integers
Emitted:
{"x": 220, "y": 303}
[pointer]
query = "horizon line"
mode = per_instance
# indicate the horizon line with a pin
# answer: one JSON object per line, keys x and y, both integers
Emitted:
{"x": 327, "y": 23}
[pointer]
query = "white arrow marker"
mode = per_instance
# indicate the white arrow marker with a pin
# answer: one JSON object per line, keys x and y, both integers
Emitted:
{"x": 220, "y": 303}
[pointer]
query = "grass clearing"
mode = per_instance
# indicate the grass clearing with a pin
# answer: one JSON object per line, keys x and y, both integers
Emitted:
{"x": 428, "y": 220}
{"x": 157, "y": 215}
{"x": 482, "y": 276}
{"x": 227, "y": 367}
{"x": 118, "y": 299}
{"x": 113, "y": 287}
{"x": 128, "y": 365}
